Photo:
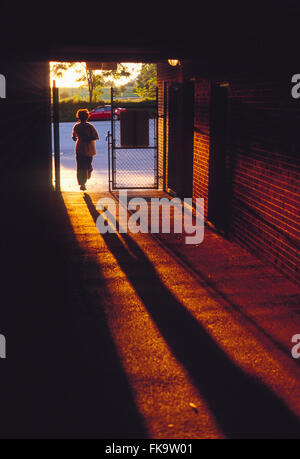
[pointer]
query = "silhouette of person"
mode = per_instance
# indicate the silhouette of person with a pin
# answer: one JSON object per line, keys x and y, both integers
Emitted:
{"x": 85, "y": 135}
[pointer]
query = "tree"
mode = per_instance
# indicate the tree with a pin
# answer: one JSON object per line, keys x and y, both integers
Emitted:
{"x": 120, "y": 91}
{"x": 94, "y": 81}
{"x": 146, "y": 82}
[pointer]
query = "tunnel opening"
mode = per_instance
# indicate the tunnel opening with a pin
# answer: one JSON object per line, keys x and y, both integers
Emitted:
{"x": 121, "y": 99}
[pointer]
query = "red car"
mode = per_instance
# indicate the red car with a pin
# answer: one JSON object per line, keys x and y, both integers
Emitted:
{"x": 104, "y": 113}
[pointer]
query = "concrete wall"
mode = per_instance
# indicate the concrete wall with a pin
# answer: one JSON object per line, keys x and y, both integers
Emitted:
{"x": 25, "y": 126}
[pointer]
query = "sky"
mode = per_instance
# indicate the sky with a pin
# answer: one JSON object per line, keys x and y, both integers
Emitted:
{"x": 68, "y": 80}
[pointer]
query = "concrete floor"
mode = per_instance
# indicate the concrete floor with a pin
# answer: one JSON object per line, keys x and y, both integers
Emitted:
{"x": 143, "y": 336}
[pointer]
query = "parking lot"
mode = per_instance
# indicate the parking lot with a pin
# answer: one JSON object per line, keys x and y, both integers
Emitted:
{"x": 134, "y": 166}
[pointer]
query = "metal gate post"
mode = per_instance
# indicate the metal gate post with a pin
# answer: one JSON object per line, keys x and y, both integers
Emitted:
{"x": 155, "y": 127}
{"x": 113, "y": 176}
{"x": 56, "y": 136}
{"x": 108, "y": 139}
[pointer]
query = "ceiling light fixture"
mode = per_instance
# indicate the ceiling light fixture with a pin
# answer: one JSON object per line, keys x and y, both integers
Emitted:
{"x": 173, "y": 62}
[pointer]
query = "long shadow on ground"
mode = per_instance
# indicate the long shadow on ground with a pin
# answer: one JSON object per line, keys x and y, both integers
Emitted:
{"x": 63, "y": 377}
{"x": 242, "y": 406}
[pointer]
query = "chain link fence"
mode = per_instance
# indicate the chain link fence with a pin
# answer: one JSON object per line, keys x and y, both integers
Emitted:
{"x": 134, "y": 149}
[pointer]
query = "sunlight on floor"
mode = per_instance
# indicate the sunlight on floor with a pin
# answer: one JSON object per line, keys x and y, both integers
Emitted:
{"x": 165, "y": 389}
{"x": 161, "y": 385}
{"x": 97, "y": 182}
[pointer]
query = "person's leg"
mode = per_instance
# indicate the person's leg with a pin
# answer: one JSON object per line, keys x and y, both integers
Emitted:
{"x": 81, "y": 170}
{"x": 90, "y": 167}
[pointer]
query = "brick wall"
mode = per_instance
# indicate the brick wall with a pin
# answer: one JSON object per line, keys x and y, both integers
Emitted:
{"x": 265, "y": 147}
{"x": 161, "y": 129}
{"x": 166, "y": 74}
{"x": 201, "y": 141}
{"x": 263, "y": 152}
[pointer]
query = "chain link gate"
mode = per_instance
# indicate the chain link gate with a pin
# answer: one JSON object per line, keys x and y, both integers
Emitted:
{"x": 132, "y": 147}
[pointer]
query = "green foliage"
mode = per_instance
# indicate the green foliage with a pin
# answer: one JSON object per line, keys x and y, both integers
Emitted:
{"x": 93, "y": 81}
{"x": 60, "y": 67}
{"x": 146, "y": 82}
{"x": 68, "y": 108}
{"x": 146, "y": 104}
{"x": 126, "y": 92}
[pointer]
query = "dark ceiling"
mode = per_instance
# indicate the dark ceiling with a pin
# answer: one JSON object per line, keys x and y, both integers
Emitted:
{"x": 202, "y": 31}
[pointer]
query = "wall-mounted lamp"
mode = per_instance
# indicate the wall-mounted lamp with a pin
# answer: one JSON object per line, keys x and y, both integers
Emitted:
{"x": 173, "y": 62}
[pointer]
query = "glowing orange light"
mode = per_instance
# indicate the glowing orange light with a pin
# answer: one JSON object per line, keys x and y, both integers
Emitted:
{"x": 173, "y": 62}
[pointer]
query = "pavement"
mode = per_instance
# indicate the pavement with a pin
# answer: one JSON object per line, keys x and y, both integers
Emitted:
{"x": 134, "y": 167}
{"x": 124, "y": 335}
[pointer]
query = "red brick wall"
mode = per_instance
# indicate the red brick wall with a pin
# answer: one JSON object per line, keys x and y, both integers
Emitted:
{"x": 265, "y": 147}
{"x": 161, "y": 130}
{"x": 167, "y": 74}
{"x": 201, "y": 141}
{"x": 264, "y": 152}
